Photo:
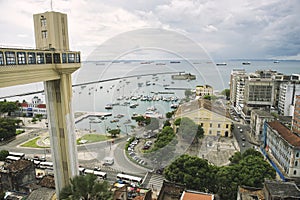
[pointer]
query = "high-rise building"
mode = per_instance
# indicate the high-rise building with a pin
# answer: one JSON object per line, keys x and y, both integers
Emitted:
{"x": 287, "y": 92}
{"x": 237, "y": 86}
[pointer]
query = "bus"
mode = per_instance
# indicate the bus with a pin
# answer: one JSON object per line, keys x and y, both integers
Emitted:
{"x": 15, "y": 154}
{"x": 46, "y": 165}
{"x": 129, "y": 179}
{"x": 99, "y": 174}
{"x": 12, "y": 158}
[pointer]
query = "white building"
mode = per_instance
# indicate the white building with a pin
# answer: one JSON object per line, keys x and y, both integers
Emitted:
{"x": 36, "y": 106}
{"x": 287, "y": 93}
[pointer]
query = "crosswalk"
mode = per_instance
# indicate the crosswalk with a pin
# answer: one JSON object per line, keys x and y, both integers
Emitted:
{"x": 154, "y": 181}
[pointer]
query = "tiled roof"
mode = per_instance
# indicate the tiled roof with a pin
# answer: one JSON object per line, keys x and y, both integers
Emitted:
{"x": 196, "y": 196}
{"x": 19, "y": 165}
{"x": 213, "y": 106}
{"x": 285, "y": 133}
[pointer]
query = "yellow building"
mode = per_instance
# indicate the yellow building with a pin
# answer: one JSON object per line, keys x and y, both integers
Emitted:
{"x": 203, "y": 90}
{"x": 211, "y": 115}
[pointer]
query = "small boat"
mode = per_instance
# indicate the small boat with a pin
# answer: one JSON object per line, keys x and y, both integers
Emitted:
{"x": 174, "y": 106}
{"x": 276, "y": 61}
{"x": 246, "y": 63}
{"x": 133, "y": 105}
{"x": 221, "y": 64}
{"x": 174, "y": 61}
{"x": 108, "y": 106}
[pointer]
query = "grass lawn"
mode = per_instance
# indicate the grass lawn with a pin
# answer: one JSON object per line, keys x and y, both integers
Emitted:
{"x": 90, "y": 138}
{"x": 32, "y": 143}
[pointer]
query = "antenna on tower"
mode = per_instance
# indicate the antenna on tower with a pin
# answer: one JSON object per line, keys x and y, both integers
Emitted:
{"x": 51, "y": 5}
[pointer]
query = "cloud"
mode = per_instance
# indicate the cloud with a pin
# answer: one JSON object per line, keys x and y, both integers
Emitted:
{"x": 229, "y": 28}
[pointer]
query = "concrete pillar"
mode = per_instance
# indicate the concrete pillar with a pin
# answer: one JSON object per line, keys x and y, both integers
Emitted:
{"x": 61, "y": 128}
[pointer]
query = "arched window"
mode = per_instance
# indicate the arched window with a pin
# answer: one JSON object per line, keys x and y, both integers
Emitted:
{"x": 296, "y": 163}
{"x": 295, "y": 172}
{"x": 297, "y": 154}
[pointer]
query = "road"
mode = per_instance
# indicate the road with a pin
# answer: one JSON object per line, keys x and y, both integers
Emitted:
{"x": 93, "y": 153}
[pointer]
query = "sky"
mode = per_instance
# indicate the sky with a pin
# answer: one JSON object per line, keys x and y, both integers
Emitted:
{"x": 224, "y": 29}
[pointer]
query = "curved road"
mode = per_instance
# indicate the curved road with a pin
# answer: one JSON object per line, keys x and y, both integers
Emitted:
{"x": 97, "y": 151}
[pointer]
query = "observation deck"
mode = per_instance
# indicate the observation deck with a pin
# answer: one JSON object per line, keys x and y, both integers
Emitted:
{"x": 23, "y": 66}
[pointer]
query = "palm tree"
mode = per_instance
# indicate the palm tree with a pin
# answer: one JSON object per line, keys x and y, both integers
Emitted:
{"x": 86, "y": 188}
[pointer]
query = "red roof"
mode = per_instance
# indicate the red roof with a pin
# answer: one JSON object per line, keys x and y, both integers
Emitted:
{"x": 196, "y": 196}
{"x": 41, "y": 106}
{"x": 24, "y": 104}
{"x": 285, "y": 133}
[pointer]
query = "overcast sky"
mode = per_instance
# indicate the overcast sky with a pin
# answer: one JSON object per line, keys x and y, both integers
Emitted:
{"x": 225, "y": 29}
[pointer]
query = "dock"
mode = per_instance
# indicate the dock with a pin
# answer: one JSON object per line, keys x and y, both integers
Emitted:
{"x": 83, "y": 115}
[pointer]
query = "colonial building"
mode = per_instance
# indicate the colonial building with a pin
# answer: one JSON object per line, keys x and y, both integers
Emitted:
{"x": 36, "y": 106}
{"x": 211, "y": 115}
{"x": 283, "y": 146}
{"x": 258, "y": 117}
{"x": 280, "y": 190}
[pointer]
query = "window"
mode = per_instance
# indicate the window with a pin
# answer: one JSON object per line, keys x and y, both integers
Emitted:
{"x": 218, "y": 133}
{"x": 77, "y": 58}
{"x": 21, "y": 58}
{"x": 210, "y": 125}
{"x": 201, "y": 124}
{"x": 43, "y": 22}
{"x": 219, "y": 125}
{"x": 296, "y": 163}
{"x": 10, "y": 58}
{"x": 297, "y": 154}
{"x": 227, "y": 125}
{"x": 64, "y": 57}
{"x": 71, "y": 58}
{"x": 44, "y": 34}
{"x": 295, "y": 172}
{"x": 48, "y": 58}
{"x": 210, "y": 132}
{"x": 31, "y": 58}
{"x": 1, "y": 58}
{"x": 40, "y": 58}
{"x": 56, "y": 57}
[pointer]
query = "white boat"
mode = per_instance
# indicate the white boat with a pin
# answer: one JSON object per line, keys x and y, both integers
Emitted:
{"x": 108, "y": 106}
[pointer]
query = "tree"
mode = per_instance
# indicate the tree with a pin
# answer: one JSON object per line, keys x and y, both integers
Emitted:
{"x": 192, "y": 171}
{"x": 86, "y": 188}
{"x": 177, "y": 122}
{"x": 114, "y": 132}
{"x": 169, "y": 114}
{"x": 226, "y": 92}
{"x": 3, "y": 154}
{"x": 210, "y": 97}
{"x": 7, "y": 128}
{"x": 8, "y": 107}
{"x": 167, "y": 123}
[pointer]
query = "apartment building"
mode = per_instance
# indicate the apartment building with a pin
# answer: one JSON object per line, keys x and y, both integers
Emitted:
{"x": 237, "y": 83}
{"x": 287, "y": 93}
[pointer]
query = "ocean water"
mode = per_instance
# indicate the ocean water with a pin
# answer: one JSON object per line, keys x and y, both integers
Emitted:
{"x": 116, "y": 82}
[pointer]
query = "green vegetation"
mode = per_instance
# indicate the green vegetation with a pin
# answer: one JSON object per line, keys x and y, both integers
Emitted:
{"x": 248, "y": 169}
{"x": 114, "y": 132}
{"x": 3, "y": 154}
{"x": 33, "y": 143}
{"x": 226, "y": 93}
{"x": 18, "y": 132}
{"x": 7, "y": 128}
{"x": 86, "y": 188}
{"x": 8, "y": 107}
{"x": 170, "y": 114}
{"x": 90, "y": 138}
{"x": 210, "y": 97}
{"x": 188, "y": 130}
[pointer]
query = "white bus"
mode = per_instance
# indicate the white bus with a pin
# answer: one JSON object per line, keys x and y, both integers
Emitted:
{"x": 16, "y": 154}
{"x": 12, "y": 158}
{"x": 100, "y": 174}
{"x": 46, "y": 165}
{"x": 129, "y": 179}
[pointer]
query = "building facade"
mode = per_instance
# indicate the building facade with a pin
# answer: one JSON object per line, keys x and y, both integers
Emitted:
{"x": 257, "y": 120}
{"x": 213, "y": 118}
{"x": 284, "y": 147}
{"x": 296, "y": 116}
{"x": 287, "y": 93}
{"x": 35, "y": 107}
{"x": 237, "y": 83}
{"x": 203, "y": 90}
